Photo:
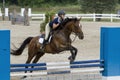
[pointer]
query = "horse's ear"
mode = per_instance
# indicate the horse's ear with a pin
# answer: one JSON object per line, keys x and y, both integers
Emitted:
{"x": 80, "y": 18}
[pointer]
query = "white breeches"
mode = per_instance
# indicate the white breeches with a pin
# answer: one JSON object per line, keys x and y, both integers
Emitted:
{"x": 47, "y": 31}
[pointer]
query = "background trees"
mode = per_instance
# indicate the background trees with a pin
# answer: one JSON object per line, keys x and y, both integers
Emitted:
{"x": 85, "y": 6}
{"x": 98, "y": 6}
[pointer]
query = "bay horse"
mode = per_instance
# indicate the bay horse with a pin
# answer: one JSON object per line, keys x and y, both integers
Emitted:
{"x": 60, "y": 41}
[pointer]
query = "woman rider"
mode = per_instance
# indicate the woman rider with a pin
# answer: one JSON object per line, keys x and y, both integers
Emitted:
{"x": 52, "y": 26}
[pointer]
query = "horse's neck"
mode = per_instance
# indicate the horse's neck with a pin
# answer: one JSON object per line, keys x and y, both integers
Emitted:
{"x": 63, "y": 32}
{"x": 67, "y": 31}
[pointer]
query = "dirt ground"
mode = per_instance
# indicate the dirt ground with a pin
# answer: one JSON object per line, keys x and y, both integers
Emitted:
{"x": 88, "y": 48}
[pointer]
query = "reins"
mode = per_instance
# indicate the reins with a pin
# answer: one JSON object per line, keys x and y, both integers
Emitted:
{"x": 74, "y": 38}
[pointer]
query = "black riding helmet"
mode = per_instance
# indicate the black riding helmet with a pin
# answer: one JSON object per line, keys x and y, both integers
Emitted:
{"x": 61, "y": 12}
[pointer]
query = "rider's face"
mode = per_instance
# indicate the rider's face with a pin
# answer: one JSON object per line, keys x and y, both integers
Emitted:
{"x": 62, "y": 16}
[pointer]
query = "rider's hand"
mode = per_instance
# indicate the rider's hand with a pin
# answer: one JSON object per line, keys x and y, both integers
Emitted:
{"x": 55, "y": 25}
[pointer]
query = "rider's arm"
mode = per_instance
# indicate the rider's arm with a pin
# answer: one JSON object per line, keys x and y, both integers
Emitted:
{"x": 55, "y": 25}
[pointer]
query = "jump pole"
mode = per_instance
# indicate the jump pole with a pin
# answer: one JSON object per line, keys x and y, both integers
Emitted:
{"x": 5, "y": 54}
{"x": 110, "y": 52}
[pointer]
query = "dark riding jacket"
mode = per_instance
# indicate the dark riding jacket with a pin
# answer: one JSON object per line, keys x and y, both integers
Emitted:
{"x": 55, "y": 21}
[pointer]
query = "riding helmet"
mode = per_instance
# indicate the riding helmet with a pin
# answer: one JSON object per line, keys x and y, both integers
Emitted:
{"x": 61, "y": 12}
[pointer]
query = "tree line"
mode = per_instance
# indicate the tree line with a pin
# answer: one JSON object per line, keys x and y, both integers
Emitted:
{"x": 86, "y": 6}
{"x": 38, "y": 3}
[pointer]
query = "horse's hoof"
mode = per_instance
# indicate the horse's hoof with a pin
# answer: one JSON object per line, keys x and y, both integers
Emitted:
{"x": 71, "y": 59}
{"x": 24, "y": 77}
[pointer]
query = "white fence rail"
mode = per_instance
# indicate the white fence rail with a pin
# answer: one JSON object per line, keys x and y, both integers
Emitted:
{"x": 38, "y": 16}
{"x": 93, "y": 16}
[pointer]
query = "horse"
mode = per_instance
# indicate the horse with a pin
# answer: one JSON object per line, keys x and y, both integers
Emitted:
{"x": 60, "y": 41}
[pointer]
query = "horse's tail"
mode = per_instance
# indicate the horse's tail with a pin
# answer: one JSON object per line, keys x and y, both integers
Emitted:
{"x": 22, "y": 47}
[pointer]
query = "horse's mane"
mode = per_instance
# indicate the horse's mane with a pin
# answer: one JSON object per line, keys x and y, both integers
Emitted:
{"x": 65, "y": 21}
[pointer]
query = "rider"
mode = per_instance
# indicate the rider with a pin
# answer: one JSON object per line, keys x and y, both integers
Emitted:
{"x": 52, "y": 26}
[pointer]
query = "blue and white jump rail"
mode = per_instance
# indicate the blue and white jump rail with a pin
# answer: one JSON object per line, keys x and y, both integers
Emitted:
{"x": 108, "y": 65}
{"x": 57, "y": 68}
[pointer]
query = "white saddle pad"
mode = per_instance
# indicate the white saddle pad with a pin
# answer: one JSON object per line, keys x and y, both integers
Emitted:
{"x": 41, "y": 40}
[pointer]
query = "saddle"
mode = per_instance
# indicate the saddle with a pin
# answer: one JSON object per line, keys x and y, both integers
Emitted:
{"x": 42, "y": 38}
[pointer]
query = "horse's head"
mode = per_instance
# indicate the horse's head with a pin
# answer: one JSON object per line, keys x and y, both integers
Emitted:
{"x": 74, "y": 26}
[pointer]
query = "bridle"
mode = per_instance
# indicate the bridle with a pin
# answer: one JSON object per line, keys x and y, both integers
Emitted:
{"x": 74, "y": 38}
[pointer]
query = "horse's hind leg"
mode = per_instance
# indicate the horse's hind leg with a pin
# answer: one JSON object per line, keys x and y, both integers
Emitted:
{"x": 73, "y": 51}
{"x": 37, "y": 57}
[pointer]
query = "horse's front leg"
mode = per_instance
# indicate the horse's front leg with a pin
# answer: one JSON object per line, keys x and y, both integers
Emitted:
{"x": 73, "y": 51}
